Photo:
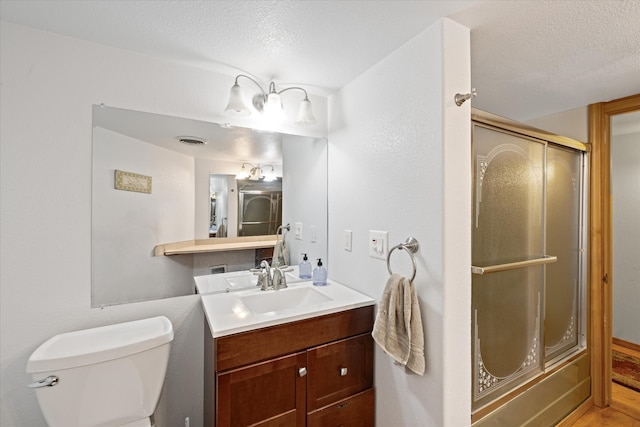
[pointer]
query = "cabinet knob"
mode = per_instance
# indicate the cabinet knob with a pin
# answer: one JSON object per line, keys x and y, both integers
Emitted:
{"x": 302, "y": 372}
{"x": 343, "y": 372}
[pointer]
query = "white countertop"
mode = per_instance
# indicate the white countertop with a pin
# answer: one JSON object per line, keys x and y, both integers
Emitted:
{"x": 229, "y": 312}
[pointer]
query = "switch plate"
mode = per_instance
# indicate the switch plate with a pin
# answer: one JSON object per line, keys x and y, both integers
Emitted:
{"x": 298, "y": 230}
{"x": 348, "y": 237}
{"x": 378, "y": 244}
{"x": 312, "y": 231}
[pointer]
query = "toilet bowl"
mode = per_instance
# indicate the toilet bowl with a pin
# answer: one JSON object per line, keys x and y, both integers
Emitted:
{"x": 106, "y": 376}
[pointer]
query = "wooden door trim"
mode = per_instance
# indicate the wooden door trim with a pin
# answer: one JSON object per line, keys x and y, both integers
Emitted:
{"x": 600, "y": 257}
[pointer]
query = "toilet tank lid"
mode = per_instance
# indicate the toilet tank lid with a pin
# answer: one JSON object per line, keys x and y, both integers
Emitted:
{"x": 96, "y": 345}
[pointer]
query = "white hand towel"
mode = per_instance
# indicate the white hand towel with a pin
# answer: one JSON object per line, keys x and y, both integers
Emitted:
{"x": 280, "y": 254}
{"x": 398, "y": 325}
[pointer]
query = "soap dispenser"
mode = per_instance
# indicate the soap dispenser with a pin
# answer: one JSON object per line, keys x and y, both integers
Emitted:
{"x": 319, "y": 274}
{"x": 304, "y": 270}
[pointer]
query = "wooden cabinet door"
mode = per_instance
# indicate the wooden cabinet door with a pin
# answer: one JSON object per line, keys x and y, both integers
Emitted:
{"x": 266, "y": 394}
{"x": 339, "y": 370}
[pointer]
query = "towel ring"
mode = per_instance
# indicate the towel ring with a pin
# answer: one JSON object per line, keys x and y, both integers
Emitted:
{"x": 412, "y": 246}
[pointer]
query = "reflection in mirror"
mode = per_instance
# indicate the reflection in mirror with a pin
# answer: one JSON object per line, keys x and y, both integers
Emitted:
{"x": 258, "y": 204}
{"x": 166, "y": 197}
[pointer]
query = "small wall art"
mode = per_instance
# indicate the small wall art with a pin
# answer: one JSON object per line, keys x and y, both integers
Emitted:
{"x": 129, "y": 181}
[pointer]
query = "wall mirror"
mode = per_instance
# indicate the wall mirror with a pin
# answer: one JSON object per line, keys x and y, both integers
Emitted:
{"x": 153, "y": 179}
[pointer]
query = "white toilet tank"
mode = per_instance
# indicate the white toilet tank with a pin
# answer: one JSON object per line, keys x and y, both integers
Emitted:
{"x": 106, "y": 376}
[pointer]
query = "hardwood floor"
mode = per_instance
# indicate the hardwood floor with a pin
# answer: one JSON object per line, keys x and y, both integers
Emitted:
{"x": 625, "y": 406}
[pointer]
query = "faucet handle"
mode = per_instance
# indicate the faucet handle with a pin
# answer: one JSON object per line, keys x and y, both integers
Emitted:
{"x": 279, "y": 280}
{"x": 264, "y": 281}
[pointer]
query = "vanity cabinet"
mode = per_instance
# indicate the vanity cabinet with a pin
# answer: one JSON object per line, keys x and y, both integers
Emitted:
{"x": 312, "y": 372}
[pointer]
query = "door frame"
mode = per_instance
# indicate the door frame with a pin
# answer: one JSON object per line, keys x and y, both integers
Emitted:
{"x": 600, "y": 239}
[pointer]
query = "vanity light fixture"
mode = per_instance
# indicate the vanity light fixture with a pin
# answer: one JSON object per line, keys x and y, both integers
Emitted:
{"x": 256, "y": 173}
{"x": 268, "y": 103}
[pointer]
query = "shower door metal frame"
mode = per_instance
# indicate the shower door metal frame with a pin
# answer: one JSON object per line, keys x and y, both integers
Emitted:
{"x": 578, "y": 352}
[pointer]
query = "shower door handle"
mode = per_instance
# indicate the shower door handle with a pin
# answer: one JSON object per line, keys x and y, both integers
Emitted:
{"x": 547, "y": 259}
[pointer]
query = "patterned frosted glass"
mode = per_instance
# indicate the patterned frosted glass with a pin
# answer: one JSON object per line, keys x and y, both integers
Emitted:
{"x": 563, "y": 241}
{"x": 509, "y": 184}
{"x": 508, "y": 226}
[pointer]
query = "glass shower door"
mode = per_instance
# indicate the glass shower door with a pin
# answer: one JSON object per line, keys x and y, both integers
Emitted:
{"x": 564, "y": 239}
{"x": 528, "y": 303}
{"x": 508, "y": 255}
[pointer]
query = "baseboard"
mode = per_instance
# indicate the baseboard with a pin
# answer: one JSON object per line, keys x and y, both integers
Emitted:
{"x": 626, "y": 344}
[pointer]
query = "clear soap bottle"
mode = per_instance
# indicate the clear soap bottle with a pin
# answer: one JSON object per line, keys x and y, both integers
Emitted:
{"x": 304, "y": 269}
{"x": 319, "y": 274}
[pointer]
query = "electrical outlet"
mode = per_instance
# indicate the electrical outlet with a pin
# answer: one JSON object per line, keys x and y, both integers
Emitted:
{"x": 378, "y": 244}
{"x": 298, "y": 230}
{"x": 347, "y": 240}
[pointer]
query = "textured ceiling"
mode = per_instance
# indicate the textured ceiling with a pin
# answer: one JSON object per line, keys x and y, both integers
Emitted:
{"x": 529, "y": 58}
{"x": 533, "y": 58}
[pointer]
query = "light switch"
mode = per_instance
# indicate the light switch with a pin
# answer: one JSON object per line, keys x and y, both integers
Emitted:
{"x": 312, "y": 231}
{"x": 347, "y": 240}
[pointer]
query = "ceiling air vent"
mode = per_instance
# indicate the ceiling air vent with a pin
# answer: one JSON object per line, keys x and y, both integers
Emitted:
{"x": 191, "y": 140}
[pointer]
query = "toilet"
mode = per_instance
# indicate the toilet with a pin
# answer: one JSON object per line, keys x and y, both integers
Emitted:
{"x": 106, "y": 376}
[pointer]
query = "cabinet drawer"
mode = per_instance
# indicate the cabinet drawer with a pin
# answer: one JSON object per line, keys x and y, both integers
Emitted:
{"x": 264, "y": 394}
{"x": 356, "y": 411}
{"x": 339, "y": 370}
{"x": 233, "y": 351}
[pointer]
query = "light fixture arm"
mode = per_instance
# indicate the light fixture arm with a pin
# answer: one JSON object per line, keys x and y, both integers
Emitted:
{"x": 253, "y": 80}
{"x": 306, "y": 96}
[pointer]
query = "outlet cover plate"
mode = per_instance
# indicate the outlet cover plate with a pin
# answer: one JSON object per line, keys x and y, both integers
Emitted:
{"x": 298, "y": 230}
{"x": 378, "y": 244}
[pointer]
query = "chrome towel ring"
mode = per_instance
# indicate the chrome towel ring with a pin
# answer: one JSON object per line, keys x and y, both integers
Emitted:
{"x": 411, "y": 245}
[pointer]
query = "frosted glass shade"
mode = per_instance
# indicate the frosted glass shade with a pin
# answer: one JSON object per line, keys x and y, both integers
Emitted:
{"x": 236, "y": 101}
{"x": 305, "y": 115}
{"x": 273, "y": 107}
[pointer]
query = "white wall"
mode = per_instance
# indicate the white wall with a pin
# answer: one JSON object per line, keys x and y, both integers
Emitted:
{"x": 305, "y": 177}
{"x": 625, "y": 187}
{"x": 126, "y": 225}
{"x": 571, "y": 123}
{"x": 399, "y": 159}
{"x": 48, "y": 85}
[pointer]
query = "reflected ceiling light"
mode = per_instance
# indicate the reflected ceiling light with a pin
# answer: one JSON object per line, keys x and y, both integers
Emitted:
{"x": 268, "y": 103}
{"x": 256, "y": 172}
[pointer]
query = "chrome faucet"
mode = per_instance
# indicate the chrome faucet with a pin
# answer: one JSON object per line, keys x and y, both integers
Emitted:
{"x": 267, "y": 280}
{"x": 279, "y": 279}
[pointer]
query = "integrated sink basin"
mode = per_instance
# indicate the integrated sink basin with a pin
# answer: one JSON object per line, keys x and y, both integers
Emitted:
{"x": 284, "y": 299}
{"x": 240, "y": 311}
{"x": 242, "y": 281}
{"x": 237, "y": 281}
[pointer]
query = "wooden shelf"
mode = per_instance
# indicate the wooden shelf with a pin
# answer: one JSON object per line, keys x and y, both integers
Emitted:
{"x": 214, "y": 245}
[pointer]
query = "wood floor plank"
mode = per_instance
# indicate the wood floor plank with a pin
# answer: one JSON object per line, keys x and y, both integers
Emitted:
{"x": 606, "y": 417}
{"x": 625, "y": 400}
